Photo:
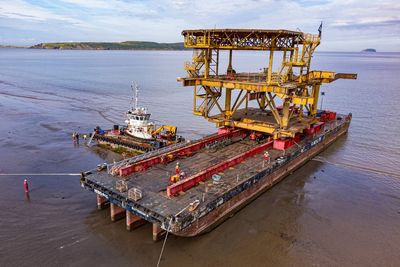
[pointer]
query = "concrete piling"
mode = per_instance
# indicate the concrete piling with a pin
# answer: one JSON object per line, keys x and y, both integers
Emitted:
{"x": 102, "y": 202}
{"x": 133, "y": 221}
{"x": 158, "y": 232}
{"x": 117, "y": 213}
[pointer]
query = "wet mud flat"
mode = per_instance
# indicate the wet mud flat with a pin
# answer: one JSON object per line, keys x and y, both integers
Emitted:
{"x": 321, "y": 215}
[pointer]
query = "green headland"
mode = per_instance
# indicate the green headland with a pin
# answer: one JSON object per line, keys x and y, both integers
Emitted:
{"x": 128, "y": 45}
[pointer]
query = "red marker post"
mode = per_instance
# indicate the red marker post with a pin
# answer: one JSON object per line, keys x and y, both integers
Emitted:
{"x": 26, "y": 186}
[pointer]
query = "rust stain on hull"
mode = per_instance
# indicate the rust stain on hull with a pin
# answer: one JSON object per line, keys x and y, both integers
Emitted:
{"x": 216, "y": 217}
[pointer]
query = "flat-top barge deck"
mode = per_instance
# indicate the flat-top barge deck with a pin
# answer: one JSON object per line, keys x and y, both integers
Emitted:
{"x": 201, "y": 205}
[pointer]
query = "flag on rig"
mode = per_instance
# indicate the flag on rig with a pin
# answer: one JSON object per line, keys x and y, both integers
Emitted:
{"x": 320, "y": 30}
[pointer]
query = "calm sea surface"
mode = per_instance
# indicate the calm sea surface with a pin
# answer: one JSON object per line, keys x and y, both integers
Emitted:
{"x": 343, "y": 212}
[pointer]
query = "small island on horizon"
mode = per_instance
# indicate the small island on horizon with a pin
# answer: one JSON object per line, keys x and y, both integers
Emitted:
{"x": 369, "y": 50}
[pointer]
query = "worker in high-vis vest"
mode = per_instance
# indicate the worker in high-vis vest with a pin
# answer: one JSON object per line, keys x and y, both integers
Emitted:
{"x": 266, "y": 156}
{"x": 177, "y": 171}
{"x": 175, "y": 178}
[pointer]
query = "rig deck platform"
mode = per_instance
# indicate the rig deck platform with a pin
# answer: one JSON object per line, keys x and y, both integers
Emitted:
{"x": 194, "y": 209}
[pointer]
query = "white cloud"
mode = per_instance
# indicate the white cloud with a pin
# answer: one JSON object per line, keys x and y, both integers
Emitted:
{"x": 22, "y": 10}
{"x": 345, "y": 21}
{"x": 91, "y": 3}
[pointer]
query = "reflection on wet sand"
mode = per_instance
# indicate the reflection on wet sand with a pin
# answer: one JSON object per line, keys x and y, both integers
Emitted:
{"x": 235, "y": 237}
{"x": 323, "y": 214}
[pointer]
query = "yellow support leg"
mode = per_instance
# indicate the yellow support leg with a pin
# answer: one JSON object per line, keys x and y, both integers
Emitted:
{"x": 315, "y": 92}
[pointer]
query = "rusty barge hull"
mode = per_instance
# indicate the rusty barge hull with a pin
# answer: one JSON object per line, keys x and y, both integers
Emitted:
{"x": 239, "y": 184}
{"x": 258, "y": 184}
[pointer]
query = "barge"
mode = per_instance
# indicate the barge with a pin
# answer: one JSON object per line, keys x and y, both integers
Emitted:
{"x": 188, "y": 188}
{"x": 194, "y": 206}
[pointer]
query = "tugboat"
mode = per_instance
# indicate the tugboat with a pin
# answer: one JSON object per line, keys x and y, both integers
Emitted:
{"x": 138, "y": 122}
{"x": 139, "y": 134}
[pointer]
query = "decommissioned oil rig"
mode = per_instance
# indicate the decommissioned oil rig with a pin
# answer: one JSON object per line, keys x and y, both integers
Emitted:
{"x": 293, "y": 83}
{"x": 268, "y": 126}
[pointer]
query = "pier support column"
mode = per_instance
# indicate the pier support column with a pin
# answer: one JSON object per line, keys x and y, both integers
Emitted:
{"x": 158, "y": 232}
{"x": 102, "y": 202}
{"x": 117, "y": 213}
{"x": 133, "y": 221}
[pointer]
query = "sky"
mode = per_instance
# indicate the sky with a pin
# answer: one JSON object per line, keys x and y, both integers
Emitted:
{"x": 348, "y": 25}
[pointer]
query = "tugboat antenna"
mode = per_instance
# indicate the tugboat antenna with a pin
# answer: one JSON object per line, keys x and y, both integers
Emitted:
{"x": 135, "y": 88}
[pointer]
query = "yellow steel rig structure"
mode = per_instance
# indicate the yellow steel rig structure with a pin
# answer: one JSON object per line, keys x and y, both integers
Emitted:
{"x": 229, "y": 93}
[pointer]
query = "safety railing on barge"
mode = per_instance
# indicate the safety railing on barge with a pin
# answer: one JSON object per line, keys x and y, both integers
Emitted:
{"x": 186, "y": 219}
{"x": 112, "y": 167}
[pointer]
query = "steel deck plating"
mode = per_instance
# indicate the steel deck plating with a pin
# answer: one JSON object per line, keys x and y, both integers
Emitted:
{"x": 156, "y": 207}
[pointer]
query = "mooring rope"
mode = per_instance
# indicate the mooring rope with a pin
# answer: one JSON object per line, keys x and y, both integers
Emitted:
{"x": 165, "y": 241}
{"x": 192, "y": 204}
{"x": 40, "y": 174}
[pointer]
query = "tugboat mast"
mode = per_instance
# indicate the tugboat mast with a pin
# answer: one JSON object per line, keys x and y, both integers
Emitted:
{"x": 135, "y": 99}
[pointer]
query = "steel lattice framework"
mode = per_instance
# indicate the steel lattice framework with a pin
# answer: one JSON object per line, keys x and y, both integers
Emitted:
{"x": 242, "y": 39}
{"x": 228, "y": 93}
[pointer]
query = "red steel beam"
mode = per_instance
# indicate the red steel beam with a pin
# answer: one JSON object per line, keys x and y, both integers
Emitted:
{"x": 194, "y": 180}
{"x": 179, "y": 152}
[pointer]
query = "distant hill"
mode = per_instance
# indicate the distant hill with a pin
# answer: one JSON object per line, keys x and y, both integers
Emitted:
{"x": 128, "y": 45}
{"x": 369, "y": 50}
{"x": 12, "y": 46}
